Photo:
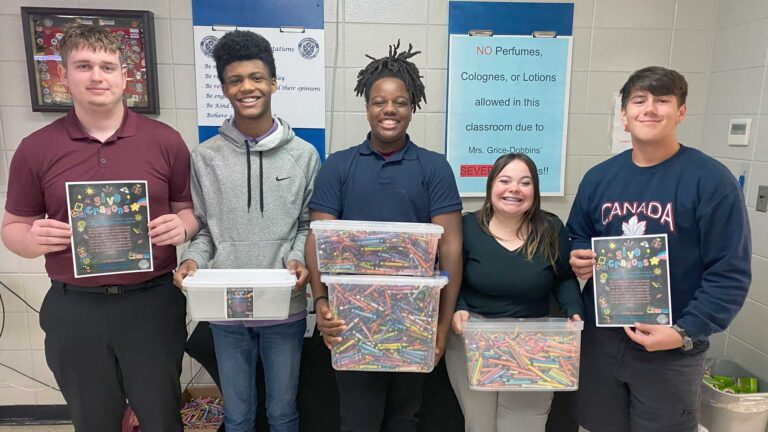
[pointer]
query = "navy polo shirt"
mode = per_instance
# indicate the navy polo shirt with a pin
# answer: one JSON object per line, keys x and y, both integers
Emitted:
{"x": 411, "y": 185}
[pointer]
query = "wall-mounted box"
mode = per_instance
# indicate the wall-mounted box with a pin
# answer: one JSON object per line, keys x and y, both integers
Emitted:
{"x": 738, "y": 132}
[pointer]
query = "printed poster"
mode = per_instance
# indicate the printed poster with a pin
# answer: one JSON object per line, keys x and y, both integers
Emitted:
{"x": 507, "y": 94}
{"x": 239, "y": 303}
{"x": 109, "y": 227}
{"x": 631, "y": 280}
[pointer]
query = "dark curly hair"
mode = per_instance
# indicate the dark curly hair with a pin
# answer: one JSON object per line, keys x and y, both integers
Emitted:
{"x": 395, "y": 65}
{"x": 240, "y": 45}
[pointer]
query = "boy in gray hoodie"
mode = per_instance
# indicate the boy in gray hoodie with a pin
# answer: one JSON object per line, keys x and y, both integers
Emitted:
{"x": 251, "y": 186}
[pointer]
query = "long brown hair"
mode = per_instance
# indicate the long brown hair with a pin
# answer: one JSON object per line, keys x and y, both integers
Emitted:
{"x": 543, "y": 236}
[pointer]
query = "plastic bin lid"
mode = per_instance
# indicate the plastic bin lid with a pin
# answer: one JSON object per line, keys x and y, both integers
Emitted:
{"x": 436, "y": 281}
{"x": 376, "y": 226}
{"x": 240, "y": 278}
{"x": 476, "y": 323}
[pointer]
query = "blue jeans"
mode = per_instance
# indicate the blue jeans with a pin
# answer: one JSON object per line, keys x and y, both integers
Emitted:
{"x": 237, "y": 349}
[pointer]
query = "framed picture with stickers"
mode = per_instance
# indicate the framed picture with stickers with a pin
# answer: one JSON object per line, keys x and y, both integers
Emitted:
{"x": 43, "y": 30}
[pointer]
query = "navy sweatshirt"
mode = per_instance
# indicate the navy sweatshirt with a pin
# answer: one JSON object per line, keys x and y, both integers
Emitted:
{"x": 696, "y": 201}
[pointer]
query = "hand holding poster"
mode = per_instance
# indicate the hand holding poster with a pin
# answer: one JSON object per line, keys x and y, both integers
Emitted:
{"x": 109, "y": 227}
{"x": 631, "y": 280}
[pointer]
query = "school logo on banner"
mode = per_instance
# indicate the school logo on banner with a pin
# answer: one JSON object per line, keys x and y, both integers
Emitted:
{"x": 309, "y": 48}
{"x": 207, "y": 44}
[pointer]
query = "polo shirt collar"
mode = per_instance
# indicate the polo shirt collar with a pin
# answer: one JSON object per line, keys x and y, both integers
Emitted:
{"x": 75, "y": 129}
{"x": 407, "y": 152}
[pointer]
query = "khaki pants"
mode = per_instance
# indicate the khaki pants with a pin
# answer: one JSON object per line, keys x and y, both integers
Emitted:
{"x": 493, "y": 411}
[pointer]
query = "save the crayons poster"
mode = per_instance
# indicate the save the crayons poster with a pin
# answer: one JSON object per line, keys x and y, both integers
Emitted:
{"x": 631, "y": 280}
{"x": 109, "y": 227}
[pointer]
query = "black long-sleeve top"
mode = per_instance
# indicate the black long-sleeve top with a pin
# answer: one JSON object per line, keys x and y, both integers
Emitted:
{"x": 502, "y": 283}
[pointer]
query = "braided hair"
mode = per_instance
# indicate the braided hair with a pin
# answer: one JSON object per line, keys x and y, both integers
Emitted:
{"x": 395, "y": 65}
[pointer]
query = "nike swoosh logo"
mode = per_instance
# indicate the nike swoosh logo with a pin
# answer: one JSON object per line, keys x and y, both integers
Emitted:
{"x": 281, "y": 179}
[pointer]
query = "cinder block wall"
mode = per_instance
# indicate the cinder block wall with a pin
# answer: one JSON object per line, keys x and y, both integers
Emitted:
{"x": 720, "y": 45}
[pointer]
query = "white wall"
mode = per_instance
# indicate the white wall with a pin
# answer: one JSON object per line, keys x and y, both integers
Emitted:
{"x": 738, "y": 89}
{"x": 612, "y": 38}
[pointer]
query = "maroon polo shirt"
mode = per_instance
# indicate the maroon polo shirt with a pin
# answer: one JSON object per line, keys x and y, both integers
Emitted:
{"x": 141, "y": 149}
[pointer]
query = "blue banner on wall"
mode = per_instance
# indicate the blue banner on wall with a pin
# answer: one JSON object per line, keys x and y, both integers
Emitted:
{"x": 508, "y": 93}
{"x": 294, "y": 28}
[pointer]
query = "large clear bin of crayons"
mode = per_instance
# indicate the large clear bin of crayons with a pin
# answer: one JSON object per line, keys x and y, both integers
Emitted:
{"x": 378, "y": 248}
{"x": 526, "y": 354}
{"x": 391, "y": 321}
{"x": 239, "y": 294}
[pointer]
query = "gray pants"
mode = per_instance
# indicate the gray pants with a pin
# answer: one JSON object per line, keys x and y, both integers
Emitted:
{"x": 493, "y": 411}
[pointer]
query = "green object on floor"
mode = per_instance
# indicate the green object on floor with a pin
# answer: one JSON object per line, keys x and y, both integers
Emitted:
{"x": 736, "y": 385}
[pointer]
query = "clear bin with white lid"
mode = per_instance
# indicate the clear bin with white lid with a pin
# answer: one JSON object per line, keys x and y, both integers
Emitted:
{"x": 380, "y": 248}
{"x": 391, "y": 321}
{"x": 522, "y": 354}
{"x": 239, "y": 294}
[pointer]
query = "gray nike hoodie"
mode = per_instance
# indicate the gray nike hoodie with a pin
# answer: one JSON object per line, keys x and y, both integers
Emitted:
{"x": 252, "y": 199}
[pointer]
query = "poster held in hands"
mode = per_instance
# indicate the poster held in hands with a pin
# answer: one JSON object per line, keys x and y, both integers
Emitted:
{"x": 631, "y": 280}
{"x": 110, "y": 233}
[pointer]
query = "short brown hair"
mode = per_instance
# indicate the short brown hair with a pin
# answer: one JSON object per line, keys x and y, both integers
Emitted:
{"x": 93, "y": 37}
{"x": 658, "y": 81}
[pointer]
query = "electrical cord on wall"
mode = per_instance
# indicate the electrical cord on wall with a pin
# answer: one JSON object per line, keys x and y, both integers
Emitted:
{"x": 2, "y": 328}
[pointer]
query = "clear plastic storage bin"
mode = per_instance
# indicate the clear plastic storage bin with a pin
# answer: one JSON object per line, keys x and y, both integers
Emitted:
{"x": 379, "y": 248}
{"x": 391, "y": 322}
{"x": 528, "y": 354}
{"x": 230, "y": 295}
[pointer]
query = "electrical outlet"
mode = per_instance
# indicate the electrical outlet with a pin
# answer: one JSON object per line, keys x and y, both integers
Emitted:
{"x": 762, "y": 199}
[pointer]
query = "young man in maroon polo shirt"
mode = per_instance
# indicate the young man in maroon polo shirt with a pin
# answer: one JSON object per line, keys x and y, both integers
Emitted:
{"x": 105, "y": 345}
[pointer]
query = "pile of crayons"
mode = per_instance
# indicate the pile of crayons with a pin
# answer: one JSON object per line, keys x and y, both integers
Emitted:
{"x": 376, "y": 252}
{"x": 203, "y": 413}
{"x": 389, "y": 327}
{"x": 520, "y": 360}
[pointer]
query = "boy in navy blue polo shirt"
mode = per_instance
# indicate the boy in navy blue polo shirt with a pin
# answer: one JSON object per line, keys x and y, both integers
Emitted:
{"x": 647, "y": 378}
{"x": 387, "y": 178}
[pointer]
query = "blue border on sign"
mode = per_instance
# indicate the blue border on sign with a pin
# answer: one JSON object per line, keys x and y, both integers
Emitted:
{"x": 510, "y": 18}
{"x": 258, "y": 13}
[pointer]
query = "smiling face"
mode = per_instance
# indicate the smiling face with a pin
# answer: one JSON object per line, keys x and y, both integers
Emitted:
{"x": 389, "y": 113}
{"x": 652, "y": 119}
{"x": 94, "y": 78}
{"x": 249, "y": 85}
{"x": 513, "y": 190}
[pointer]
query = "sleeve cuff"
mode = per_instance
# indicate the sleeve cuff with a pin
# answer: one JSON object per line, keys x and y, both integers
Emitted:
{"x": 194, "y": 256}
{"x": 581, "y": 244}
{"x": 321, "y": 208}
{"x": 693, "y": 328}
{"x": 295, "y": 256}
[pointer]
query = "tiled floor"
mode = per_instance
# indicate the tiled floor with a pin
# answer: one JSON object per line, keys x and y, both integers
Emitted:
{"x": 44, "y": 428}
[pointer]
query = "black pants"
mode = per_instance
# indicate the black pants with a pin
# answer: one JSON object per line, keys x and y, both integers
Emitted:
{"x": 379, "y": 401}
{"x": 199, "y": 346}
{"x": 624, "y": 388}
{"x": 105, "y": 348}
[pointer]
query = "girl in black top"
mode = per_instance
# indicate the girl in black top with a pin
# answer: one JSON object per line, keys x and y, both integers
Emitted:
{"x": 515, "y": 256}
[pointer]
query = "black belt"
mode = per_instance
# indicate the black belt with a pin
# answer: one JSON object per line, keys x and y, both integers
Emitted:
{"x": 114, "y": 289}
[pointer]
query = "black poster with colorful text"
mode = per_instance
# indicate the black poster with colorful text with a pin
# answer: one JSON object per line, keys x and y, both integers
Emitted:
{"x": 109, "y": 227}
{"x": 631, "y": 280}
